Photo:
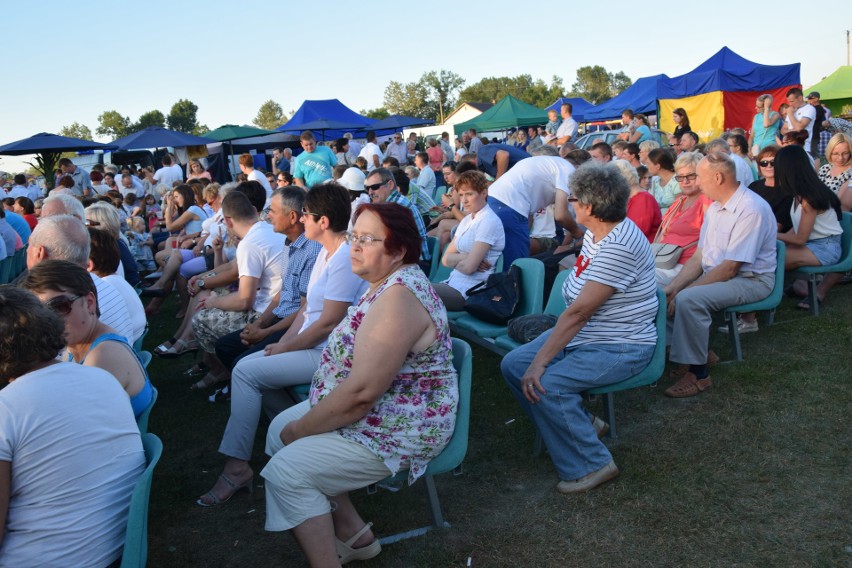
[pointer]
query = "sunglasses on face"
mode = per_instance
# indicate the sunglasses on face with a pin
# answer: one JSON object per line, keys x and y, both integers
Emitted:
{"x": 767, "y": 163}
{"x": 62, "y": 305}
{"x": 374, "y": 186}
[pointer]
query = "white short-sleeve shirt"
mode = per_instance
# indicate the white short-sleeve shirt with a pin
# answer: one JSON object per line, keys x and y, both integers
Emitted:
{"x": 261, "y": 255}
{"x": 531, "y": 184}
{"x": 481, "y": 227}
{"x": 113, "y": 308}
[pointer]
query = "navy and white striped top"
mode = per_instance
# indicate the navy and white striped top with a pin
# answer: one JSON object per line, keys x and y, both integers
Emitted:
{"x": 622, "y": 260}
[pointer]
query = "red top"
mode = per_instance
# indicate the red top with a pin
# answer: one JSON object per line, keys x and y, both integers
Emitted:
{"x": 643, "y": 210}
{"x": 32, "y": 221}
{"x": 436, "y": 158}
{"x": 682, "y": 226}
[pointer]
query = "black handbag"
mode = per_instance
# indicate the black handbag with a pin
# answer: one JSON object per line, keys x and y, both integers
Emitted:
{"x": 496, "y": 299}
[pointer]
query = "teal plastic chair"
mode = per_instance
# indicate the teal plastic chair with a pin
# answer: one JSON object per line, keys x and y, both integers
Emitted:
{"x": 439, "y": 271}
{"x": 20, "y": 262}
{"x": 452, "y": 456}
{"x": 772, "y": 301}
{"x": 555, "y": 306}
{"x": 142, "y": 421}
{"x": 144, "y": 358}
{"x": 137, "y": 345}
{"x": 439, "y": 191}
{"x": 6, "y": 266}
{"x": 532, "y": 295}
{"x": 649, "y": 375}
{"x": 843, "y": 265}
{"x": 135, "y": 553}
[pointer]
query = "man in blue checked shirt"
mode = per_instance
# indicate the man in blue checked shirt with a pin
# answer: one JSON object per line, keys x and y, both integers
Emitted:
{"x": 383, "y": 189}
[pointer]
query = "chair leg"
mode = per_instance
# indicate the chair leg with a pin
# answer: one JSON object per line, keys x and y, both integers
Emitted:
{"x": 812, "y": 295}
{"x": 734, "y": 334}
{"x": 538, "y": 444}
{"x": 770, "y": 317}
{"x": 610, "y": 414}
{"x": 434, "y": 503}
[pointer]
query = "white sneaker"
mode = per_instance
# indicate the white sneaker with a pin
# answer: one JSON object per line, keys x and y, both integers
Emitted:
{"x": 743, "y": 326}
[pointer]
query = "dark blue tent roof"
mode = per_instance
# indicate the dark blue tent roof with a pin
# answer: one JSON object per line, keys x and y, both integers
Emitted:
{"x": 46, "y": 142}
{"x": 580, "y": 107}
{"x": 327, "y": 119}
{"x": 159, "y": 137}
{"x": 727, "y": 71}
{"x": 397, "y": 122}
{"x": 641, "y": 96}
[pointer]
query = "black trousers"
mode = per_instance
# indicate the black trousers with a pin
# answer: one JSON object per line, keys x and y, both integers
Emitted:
{"x": 230, "y": 349}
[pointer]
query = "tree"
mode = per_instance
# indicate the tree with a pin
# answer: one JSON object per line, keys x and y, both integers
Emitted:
{"x": 76, "y": 130}
{"x": 377, "y": 113}
{"x": 150, "y": 118}
{"x": 523, "y": 87}
{"x": 444, "y": 86}
{"x": 183, "y": 117}
{"x": 270, "y": 116}
{"x": 410, "y": 99}
{"x": 113, "y": 125}
{"x": 597, "y": 85}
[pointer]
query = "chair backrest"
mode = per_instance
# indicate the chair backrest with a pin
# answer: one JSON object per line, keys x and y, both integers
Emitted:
{"x": 556, "y": 302}
{"x": 777, "y": 292}
{"x": 142, "y": 421}
{"x": 137, "y": 345}
{"x": 439, "y": 191}
{"x": 440, "y": 272}
{"x": 135, "y": 553}
{"x": 20, "y": 261}
{"x": 532, "y": 286}
{"x": 144, "y": 358}
{"x": 454, "y": 453}
{"x": 846, "y": 238}
{"x": 6, "y": 269}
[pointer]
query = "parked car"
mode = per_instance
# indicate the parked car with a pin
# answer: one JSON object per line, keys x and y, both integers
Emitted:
{"x": 587, "y": 140}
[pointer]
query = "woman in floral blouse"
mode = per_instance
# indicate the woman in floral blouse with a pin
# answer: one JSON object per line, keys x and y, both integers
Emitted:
{"x": 383, "y": 399}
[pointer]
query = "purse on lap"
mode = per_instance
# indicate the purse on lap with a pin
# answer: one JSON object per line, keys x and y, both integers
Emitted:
{"x": 496, "y": 299}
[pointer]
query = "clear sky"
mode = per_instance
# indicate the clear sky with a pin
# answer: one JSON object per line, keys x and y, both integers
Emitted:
{"x": 68, "y": 61}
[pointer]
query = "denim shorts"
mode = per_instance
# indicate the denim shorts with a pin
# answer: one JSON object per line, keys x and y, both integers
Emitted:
{"x": 827, "y": 249}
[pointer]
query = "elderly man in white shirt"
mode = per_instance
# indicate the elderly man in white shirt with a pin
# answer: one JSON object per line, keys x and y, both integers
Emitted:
{"x": 734, "y": 264}
{"x": 744, "y": 174}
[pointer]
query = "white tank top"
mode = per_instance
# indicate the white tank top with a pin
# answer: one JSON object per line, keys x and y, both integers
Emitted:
{"x": 825, "y": 224}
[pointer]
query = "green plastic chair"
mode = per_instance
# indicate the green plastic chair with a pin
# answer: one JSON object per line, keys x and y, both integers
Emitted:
{"x": 135, "y": 553}
{"x": 6, "y": 266}
{"x": 451, "y": 458}
{"x": 772, "y": 301}
{"x": 843, "y": 265}
{"x": 532, "y": 295}
{"x": 20, "y": 262}
{"x": 137, "y": 345}
{"x": 555, "y": 306}
{"x": 439, "y": 271}
{"x": 439, "y": 191}
{"x": 142, "y": 421}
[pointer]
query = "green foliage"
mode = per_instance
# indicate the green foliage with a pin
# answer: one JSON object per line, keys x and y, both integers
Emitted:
{"x": 76, "y": 130}
{"x": 523, "y": 87}
{"x": 183, "y": 117}
{"x": 597, "y": 85}
{"x": 150, "y": 118}
{"x": 270, "y": 116}
{"x": 377, "y": 113}
{"x": 113, "y": 125}
{"x": 45, "y": 164}
{"x": 432, "y": 96}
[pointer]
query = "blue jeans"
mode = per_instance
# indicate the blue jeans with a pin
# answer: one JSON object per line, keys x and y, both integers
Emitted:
{"x": 517, "y": 230}
{"x": 564, "y": 423}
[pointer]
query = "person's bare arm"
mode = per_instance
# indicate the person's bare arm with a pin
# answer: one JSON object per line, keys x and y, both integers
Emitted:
{"x": 501, "y": 159}
{"x": 797, "y": 124}
{"x": 563, "y": 216}
{"x": 466, "y": 263}
{"x": 120, "y": 363}
{"x": 806, "y": 225}
{"x": 240, "y": 301}
{"x": 332, "y": 314}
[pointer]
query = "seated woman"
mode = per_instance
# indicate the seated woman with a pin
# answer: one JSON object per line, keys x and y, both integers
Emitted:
{"x": 478, "y": 242}
{"x": 25, "y": 207}
{"x": 60, "y": 284}
{"x": 70, "y": 453}
{"x": 332, "y": 289}
{"x": 183, "y": 215}
{"x": 642, "y": 131}
{"x": 837, "y": 173}
{"x": 766, "y": 187}
{"x": 395, "y": 341}
{"x": 814, "y": 239}
{"x": 642, "y": 208}
{"x": 682, "y": 222}
{"x": 606, "y": 335}
{"x": 664, "y": 186}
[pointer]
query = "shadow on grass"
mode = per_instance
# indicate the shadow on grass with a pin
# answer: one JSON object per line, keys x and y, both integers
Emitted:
{"x": 754, "y": 472}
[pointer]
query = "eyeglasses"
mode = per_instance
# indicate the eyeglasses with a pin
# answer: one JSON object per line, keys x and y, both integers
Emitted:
{"x": 90, "y": 223}
{"x": 306, "y": 212}
{"x": 362, "y": 240}
{"x": 767, "y": 163}
{"x": 573, "y": 199}
{"x": 687, "y": 177}
{"x": 374, "y": 186}
{"x": 61, "y": 304}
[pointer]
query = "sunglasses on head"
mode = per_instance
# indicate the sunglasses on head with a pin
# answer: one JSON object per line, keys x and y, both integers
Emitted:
{"x": 62, "y": 304}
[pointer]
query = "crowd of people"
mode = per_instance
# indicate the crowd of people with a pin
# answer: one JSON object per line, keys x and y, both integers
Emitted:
{"x": 316, "y": 272}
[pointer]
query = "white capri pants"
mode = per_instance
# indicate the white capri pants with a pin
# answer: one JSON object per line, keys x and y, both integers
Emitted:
{"x": 252, "y": 374}
{"x": 301, "y": 476}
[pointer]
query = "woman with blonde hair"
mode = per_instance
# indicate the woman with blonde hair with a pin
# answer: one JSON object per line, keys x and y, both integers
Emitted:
{"x": 197, "y": 171}
{"x": 837, "y": 173}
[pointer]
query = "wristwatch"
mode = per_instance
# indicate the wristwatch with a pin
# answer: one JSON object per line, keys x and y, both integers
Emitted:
{"x": 200, "y": 283}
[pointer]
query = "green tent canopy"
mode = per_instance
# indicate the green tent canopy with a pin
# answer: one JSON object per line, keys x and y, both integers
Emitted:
{"x": 232, "y": 132}
{"x": 508, "y": 113}
{"x": 835, "y": 91}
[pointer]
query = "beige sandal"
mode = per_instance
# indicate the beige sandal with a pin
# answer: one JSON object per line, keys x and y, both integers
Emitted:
{"x": 347, "y": 554}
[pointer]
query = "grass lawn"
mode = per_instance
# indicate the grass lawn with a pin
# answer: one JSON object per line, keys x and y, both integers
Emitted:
{"x": 753, "y": 472}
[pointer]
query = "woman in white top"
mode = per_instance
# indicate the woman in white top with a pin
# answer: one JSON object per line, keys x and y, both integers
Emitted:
{"x": 295, "y": 357}
{"x": 478, "y": 242}
{"x": 814, "y": 239}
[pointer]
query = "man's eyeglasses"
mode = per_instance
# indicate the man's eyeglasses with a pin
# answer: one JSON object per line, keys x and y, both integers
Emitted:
{"x": 767, "y": 163}
{"x": 306, "y": 212}
{"x": 687, "y": 177}
{"x": 374, "y": 186}
{"x": 61, "y": 304}
{"x": 362, "y": 240}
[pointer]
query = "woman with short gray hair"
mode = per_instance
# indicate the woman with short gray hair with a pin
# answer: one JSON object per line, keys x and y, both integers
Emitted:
{"x": 606, "y": 334}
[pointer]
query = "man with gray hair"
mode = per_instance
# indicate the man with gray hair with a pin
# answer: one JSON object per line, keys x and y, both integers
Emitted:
{"x": 82, "y": 182}
{"x": 733, "y": 264}
{"x": 63, "y": 205}
{"x": 64, "y": 237}
{"x": 744, "y": 173}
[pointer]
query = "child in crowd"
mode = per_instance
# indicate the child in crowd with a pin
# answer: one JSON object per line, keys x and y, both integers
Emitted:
{"x": 153, "y": 212}
{"x": 553, "y": 122}
{"x": 140, "y": 244}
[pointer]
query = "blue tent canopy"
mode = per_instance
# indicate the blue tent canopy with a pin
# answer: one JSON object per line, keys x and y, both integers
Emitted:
{"x": 45, "y": 142}
{"x": 159, "y": 137}
{"x": 641, "y": 96}
{"x": 397, "y": 122}
{"x": 327, "y": 119}
{"x": 580, "y": 107}
{"x": 727, "y": 71}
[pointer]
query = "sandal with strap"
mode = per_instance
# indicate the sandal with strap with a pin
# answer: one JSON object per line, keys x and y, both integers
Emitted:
{"x": 208, "y": 381}
{"x": 214, "y": 500}
{"x": 165, "y": 346}
{"x": 689, "y": 385}
{"x": 185, "y": 347}
{"x": 347, "y": 554}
